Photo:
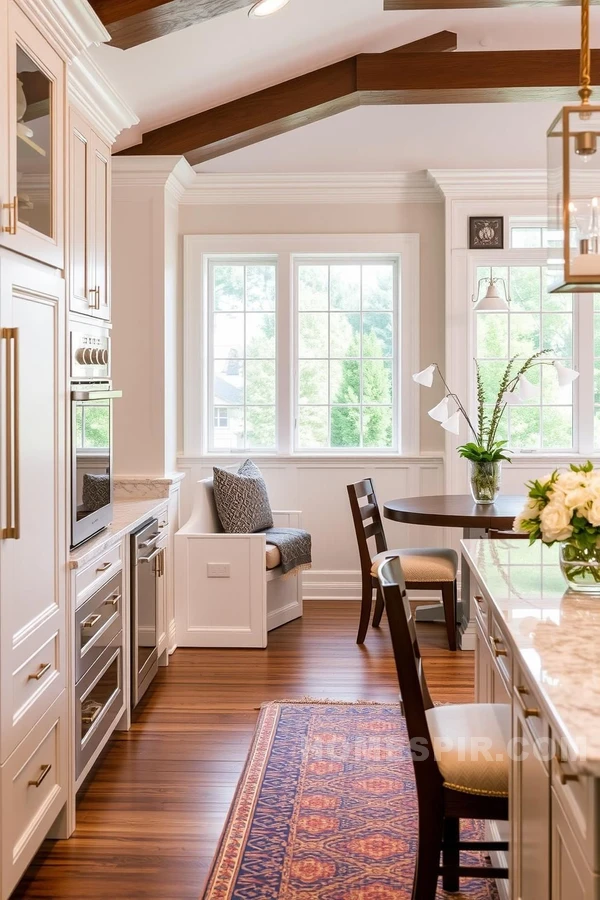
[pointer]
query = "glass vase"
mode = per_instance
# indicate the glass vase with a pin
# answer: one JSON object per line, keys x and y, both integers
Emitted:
{"x": 580, "y": 568}
{"x": 485, "y": 479}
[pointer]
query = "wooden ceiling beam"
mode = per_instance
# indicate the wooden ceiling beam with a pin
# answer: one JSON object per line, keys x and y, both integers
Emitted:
{"x": 441, "y": 42}
{"x": 473, "y": 4}
{"x": 133, "y": 22}
{"x": 369, "y": 79}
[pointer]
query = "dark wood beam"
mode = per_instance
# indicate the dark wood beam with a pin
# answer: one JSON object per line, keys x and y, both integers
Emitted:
{"x": 368, "y": 79}
{"x": 441, "y": 42}
{"x": 473, "y": 4}
{"x": 133, "y": 22}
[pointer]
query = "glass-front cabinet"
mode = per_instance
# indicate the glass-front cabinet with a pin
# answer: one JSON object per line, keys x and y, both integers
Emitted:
{"x": 32, "y": 177}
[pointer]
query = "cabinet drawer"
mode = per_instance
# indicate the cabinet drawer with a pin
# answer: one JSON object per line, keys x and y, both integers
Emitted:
{"x": 33, "y": 786}
{"x": 97, "y": 620}
{"x": 35, "y": 678}
{"x": 578, "y": 795}
{"x": 532, "y": 714}
{"x": 97, "y": 573}
{"x": 163, "y": 519}
{"x": 98, "y": 701}
{"x": 500, "y": 651}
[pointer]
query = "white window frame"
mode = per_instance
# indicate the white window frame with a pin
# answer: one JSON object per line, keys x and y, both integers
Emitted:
{"x": 200, "y": 249}
{"x": 583, "y": 349}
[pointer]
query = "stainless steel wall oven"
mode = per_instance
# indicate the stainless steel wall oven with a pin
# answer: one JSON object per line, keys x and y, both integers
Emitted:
{"x": 91, "y": 435}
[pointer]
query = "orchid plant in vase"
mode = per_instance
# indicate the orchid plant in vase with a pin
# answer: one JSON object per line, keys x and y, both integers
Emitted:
{"x": 486, "y": 452}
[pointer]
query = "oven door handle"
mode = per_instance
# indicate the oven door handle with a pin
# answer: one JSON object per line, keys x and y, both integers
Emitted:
{"x": 96, "y": 395}
{"x": 146, "y": 559}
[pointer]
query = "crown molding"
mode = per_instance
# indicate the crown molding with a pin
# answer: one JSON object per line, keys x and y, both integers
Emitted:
{"x": 492, "y": 184}
{"x": 94, "y": 96}
{"x": 70, "y": 25}
{"x": 171, "y": 173}
{"x": 349, "y": 187}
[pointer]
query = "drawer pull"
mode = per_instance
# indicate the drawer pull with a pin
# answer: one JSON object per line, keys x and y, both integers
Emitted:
{"x": 498, "y": 651}
{"x": 112, "y": 601}
{"x": 104, "y": 568}
{"x": 150, "y": 540}
{"x": 44, "y": 667}
{"x": 43, "y": 773}
{"x": 88, "y": 718}
{"x": 521, "y": 689}
{"x": 89, "y": 623}
{"x": 531, "y": 712}
{"x": 478, "y": 599}
{"x": 564, "y": 776}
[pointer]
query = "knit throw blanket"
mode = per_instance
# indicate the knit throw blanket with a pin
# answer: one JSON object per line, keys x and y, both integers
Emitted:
{"x": 294, "y": 545}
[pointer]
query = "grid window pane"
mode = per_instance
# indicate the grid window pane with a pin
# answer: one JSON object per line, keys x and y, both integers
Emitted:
{"x": 535, "y": 321}
{"x": 347, "y": 354}
{"x": 596, "y": 371}
{"x": 92, "y": 425}
{"x": 242, "y": 335}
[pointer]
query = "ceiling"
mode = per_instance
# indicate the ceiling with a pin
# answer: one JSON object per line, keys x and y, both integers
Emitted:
{"x": 231, "y": 56}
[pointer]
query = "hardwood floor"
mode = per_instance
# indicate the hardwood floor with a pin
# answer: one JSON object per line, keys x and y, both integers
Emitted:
{"x": 149, "y": 820}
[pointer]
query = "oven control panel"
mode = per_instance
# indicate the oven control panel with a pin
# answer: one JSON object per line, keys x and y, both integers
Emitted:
{"x": 90, "y": 355}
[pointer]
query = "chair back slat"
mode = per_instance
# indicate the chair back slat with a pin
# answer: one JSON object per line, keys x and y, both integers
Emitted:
{"x": 409, "y": 667}
{"x": 367, "y": 522}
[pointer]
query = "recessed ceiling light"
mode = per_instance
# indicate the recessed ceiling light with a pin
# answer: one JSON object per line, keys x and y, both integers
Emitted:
{"x": 267, "y": 8}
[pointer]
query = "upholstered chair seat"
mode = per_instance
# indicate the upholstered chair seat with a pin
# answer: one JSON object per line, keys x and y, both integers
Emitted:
{"x": 470, "y": 742}
{"x": 423, "y": 564}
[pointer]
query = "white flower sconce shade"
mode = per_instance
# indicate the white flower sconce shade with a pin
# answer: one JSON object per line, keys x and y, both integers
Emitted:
{"x": 511, "y": 398}
{"x": 452, "y": 424}
{"x": 564, "y": 375}
{"x": 425, "y": 377}
{"x": 441, "y": 412}
{"x": 527, "y": 390}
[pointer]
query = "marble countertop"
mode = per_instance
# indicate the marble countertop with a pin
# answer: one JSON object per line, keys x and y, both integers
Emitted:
{"x": 554, "y": 633}
{"x": 127, "y": 515}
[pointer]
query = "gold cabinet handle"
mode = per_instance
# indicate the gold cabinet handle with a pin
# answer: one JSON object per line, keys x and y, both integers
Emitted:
{"x": 36, "y": 783}
{"x": 13, "y": 217}
{"x": 531, "y": 712}
{"x": 112, "y": 601}
{"x": 104, "y": 568}
{"x": 498, "y": 651}
{"x": 13, "y": 506}
{"x": 564, "y": 776}
{"x": 40, "y": 672}
{"x": 521, "y": 689}
{"x": 90, "y": 718}
{"x": 478, "y": 599}
{"x": 89, "y": 623}
{"x": 161, "y": 563}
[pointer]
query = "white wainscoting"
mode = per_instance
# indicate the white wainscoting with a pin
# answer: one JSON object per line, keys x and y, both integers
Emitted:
{"x": 317, "y": 487}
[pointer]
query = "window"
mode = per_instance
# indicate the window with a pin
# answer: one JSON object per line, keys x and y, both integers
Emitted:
{"x": 300, "y": 344}
{"x": 93, "y": 426}
{"x": 346, "y": 354}
{"x": 242, "y": 344}
{"x": 537, "y": 320}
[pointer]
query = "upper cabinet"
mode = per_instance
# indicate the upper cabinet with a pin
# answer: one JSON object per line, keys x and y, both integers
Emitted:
{"x": 89, "y": 228}
{"x": 32, "y": 173}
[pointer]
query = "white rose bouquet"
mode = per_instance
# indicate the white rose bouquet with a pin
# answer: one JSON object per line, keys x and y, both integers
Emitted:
{"x": 565, "y": 507}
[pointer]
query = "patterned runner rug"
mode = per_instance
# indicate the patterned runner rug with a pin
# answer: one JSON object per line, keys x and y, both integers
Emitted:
{"x": 326, "y": 810}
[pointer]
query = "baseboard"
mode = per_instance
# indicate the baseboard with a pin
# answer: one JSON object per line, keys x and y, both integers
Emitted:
{"x": 172, "y": 638}
{"x": 324, "y": 584}
{"x": 284, "y": 615}
{"x": 499, "y": 831}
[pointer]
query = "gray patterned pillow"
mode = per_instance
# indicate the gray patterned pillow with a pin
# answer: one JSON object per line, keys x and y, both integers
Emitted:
{"x": 242, "y": 500}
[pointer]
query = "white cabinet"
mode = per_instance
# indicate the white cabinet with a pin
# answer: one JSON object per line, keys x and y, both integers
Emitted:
{"x": 89, "y": 229}
{"x": 32, "y": 129}
{"x": 530, "y": 804}
{"x": 32, "y": 496}
{"x": 572, "y": 878}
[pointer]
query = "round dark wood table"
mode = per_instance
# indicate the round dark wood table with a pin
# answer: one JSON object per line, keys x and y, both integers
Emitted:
{"x": 455, "y": 511}
{"x": 475, "y": 519}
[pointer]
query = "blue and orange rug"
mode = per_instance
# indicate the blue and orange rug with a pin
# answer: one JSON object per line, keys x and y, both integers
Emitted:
{"x": 326, "y": 810}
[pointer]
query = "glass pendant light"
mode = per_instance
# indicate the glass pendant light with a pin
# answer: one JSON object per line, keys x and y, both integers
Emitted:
{"x": 574, "y": 185}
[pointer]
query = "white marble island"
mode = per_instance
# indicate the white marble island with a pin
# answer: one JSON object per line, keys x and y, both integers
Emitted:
{"x": 538, "y": 648}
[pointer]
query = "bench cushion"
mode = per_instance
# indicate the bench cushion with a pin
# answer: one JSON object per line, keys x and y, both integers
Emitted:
{"x": 273, "y": 557}
{"x": 241, "y": 499}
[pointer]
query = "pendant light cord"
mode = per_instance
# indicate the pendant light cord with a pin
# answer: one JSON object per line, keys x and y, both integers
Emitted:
{"x": 585, "y": 79}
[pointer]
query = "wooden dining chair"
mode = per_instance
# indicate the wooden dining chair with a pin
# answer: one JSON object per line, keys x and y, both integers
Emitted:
{"x": 424, "y": 568}
{"x": 456, "y": 777}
